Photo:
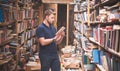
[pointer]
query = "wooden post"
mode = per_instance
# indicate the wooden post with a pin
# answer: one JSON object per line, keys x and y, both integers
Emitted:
{"x": 88, "y": 12}
{"x": 67, "y": 27}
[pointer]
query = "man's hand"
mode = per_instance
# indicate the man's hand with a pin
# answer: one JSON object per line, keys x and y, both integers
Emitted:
{"x": 59, "y": 37}
{"x": 62, "y": 34}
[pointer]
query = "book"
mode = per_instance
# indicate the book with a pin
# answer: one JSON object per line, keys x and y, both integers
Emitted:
{"x": 96, "y": 56}
{"x": 1, "y": 15}
{"x": 117, "y": 41}
{"x": 60, "y": 30}
{"x": 105, "y": 63}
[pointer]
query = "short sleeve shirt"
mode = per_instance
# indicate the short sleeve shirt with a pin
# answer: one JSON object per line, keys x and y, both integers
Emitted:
{"x": 47, "y": 33}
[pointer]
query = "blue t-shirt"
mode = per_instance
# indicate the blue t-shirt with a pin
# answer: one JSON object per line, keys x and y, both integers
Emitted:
{"x": 47, "y": 33}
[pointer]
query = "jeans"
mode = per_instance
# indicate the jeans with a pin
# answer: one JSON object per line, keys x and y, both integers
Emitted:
{"x": 49, "y": 62}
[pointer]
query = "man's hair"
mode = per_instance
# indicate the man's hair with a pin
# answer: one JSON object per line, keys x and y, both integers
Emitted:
{"x": 49, "y": 12}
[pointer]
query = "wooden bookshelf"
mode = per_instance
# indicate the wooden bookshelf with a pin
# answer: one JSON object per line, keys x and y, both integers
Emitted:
{"x": 100, "y": 67}
{"x": 80, "y": 11}
{"x": 7, "y": 24}
{"x": 117, "y": 5}
{"x": 6, "y": 41}
{"x": 107, "y": 49}
{"x": 94, "y": 23}
{"x": 108, "y": 2}
{"x": 22, "y": 12}
{"x": 5, "y": 60}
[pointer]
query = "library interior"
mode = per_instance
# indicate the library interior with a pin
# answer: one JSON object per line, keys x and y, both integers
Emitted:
{"x": 59, "y": 35}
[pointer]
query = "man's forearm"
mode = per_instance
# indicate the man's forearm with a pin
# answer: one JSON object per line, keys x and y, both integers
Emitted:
{"x": 60, "y": 40}
{"x": 44, "y": 42}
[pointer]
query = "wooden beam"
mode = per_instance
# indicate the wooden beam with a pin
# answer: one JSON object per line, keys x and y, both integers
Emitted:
{"x": 58, "y": 1}
{"x": 67, "y": 27}
{"x": 88, "y": 12}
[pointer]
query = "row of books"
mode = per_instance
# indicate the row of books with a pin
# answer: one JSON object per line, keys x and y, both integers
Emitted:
{"x": 101, "y": 15}
{"x": 6, "y": 15}
{"x": 107, "y": 37}
{"x": 106, "y": 60}
{"x": 80, "y": 16}
{"x": 29, "y": 34}
{"x": 25, "y": 1}
{"x": 28, "y": 24}
{"x": 82, "y": 28}
{"x": 31, "y": 42}
{"x": 26, "y": 36}
{"x": 20, "y": 27}
{"x": 24, "y": 14}
{"x": 21, "y": 39}
{"x": 32, "y": 23}
{"x": 80, "y": 6}
{"x": 5, "y": 34}
{"x": 35, "y": 14}
{"x": 27, "y": 14}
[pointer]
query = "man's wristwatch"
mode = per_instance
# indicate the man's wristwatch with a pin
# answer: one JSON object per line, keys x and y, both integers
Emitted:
{"x": 54, "y": 40}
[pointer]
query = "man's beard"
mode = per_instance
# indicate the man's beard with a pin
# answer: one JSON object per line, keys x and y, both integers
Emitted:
{"x": 49, "y": 22}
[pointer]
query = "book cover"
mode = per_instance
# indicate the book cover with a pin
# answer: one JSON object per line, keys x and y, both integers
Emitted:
{"x": 107, "y": 39}
{"x": 113, "y": 39}
{"x": 1, "y": 15}
{"x": 117, "y": 41}
{"x": 104, "y": 38}
{"x": 96, "y": 56}
{"x": 60, "y": 30}
{"x": 105, "y": 64}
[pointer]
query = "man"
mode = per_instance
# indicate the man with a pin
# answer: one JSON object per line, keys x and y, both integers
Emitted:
{"x": 48, "y": 40}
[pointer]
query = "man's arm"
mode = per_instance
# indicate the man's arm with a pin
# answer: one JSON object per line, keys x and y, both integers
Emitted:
{"x": 44, "y": 41}
{"x": 59, "y": 40}
{"x": 60, "y": 37}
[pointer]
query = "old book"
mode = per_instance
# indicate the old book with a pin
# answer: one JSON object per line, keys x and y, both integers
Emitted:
{"x": 1, "y": 15}
{"x": 117, "y": 40}
{"x": 105, "y": 63}
{"x": 113, "y": 39}
{"x": 60, "y": 30}
{"x": 96, "y": 56}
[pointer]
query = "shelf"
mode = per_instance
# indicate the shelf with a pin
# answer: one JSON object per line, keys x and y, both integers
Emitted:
{"x": 108, "y": 2}
{"x": 20, "y": 3}
{"x": 27, "y": 18}
{"x": 8, "y": 1}
{"x": 94, "y": 23}
{"x": 80, "y": 11}
{"x": 6, "y": 24}
{"x": 100, "y": 67}
{"x": 21, "y": 32}
{"x": 35, "y": 26}
{"x": 114, "y": 6}
{"x": 6, "y": 41}
{"x": 107, "y": 49}
{"x": 96, "y": 5}
{"x": 5, "y": 60}
{"x": 6, "y": 5}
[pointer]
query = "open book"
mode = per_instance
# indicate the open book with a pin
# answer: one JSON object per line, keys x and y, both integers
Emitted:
{"x": 60, "y": 30}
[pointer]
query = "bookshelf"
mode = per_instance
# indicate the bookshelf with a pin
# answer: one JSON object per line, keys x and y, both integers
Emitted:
{"x": 107, "y": 49}
{"x": 18, "y": 22}
{"x": 90, "y": 23}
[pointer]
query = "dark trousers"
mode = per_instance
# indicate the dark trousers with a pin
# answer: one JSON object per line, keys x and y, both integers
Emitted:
{"x": 49, "y": 62}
